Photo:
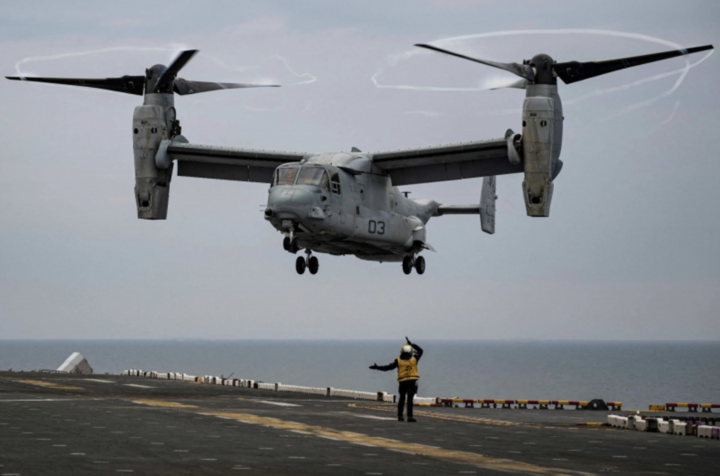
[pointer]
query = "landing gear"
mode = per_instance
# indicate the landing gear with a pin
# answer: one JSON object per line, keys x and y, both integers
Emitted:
{"x": 420, "y": 265}
{"x": 291, "y": 244}
{"x": 309, "y": 262}
{"x": 300, "y": 265}
{"x": 410, "y": 262}
{"x": 407, "y": 264}
{"x": 313, "y": 265}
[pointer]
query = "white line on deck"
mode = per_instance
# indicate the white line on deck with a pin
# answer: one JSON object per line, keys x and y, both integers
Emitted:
{"x": 138, "y": 386}
{"x": 280, "y": 404}
{"x": 98, "y": 380}
{"x": 372, "y": 417}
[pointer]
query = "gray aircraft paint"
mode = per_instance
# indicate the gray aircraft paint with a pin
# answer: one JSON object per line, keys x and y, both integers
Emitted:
{"x": 367, "y": 216}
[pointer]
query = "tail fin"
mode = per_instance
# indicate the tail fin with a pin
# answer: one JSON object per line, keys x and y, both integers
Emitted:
{"x": 487, "y": 205}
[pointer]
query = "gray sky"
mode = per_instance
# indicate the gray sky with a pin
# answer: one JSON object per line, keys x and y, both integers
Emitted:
{"x": 630, "y": 250}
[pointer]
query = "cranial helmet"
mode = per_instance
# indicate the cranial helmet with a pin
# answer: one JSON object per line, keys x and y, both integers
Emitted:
{"x": 406, "y": 349}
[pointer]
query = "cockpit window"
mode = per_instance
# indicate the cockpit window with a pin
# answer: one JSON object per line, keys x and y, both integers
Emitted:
{"x": 285, "y": 175}
{"x": 314, "y": 176}
{"x": 335, "y": 183}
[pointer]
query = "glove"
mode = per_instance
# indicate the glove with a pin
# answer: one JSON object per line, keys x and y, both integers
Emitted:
{"x": 408, "y": 340}
{"x": 374, "y": 366}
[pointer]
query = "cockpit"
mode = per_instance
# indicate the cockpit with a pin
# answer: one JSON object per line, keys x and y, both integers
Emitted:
{"x": 307, "y": 175}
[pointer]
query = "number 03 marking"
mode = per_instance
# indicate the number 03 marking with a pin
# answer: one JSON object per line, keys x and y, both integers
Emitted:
{"x": 376, "y": 227}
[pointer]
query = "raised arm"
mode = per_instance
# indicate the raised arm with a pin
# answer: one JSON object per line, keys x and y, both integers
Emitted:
{"x": 385, "y": 368}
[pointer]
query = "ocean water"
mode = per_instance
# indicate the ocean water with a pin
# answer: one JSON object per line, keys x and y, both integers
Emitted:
{"x": 635, "y": 373}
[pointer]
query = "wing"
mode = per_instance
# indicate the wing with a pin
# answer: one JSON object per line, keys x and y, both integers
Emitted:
{"x": 448, "y": 162}
{"x": 226, "y": 163}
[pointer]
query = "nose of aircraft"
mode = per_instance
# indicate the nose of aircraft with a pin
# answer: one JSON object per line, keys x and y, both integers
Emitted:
{"x": 290, "y": 202}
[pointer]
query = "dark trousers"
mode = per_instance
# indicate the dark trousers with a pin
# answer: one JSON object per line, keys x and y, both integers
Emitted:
{"x": 407, "y": 389}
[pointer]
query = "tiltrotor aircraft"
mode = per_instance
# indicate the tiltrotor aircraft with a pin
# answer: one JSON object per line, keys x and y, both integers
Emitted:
{"x": 349, "y": 203}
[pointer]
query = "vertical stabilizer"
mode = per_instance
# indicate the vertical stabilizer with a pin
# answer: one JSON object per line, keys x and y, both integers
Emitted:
{"x": 487, "y": 205}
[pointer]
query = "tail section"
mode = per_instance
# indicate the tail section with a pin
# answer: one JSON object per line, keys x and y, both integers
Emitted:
{"x": 486, "y": 209}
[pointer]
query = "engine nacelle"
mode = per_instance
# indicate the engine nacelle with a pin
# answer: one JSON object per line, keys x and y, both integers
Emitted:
{"x": 152, "y": 123}
{"x": 538, "y": 119}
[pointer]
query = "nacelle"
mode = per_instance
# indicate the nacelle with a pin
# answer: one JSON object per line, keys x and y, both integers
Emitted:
{"x": 542, "y": 139}
{"x": 152, "y": 123}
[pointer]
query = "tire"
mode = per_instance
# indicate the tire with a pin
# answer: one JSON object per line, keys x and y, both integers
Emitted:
{"x": 407, "y": 265}
{"x": 420, "y": 265}
{"x": 313, "y": 265}
{"x": 300, "y": 265}
{"x": 286, "y": 243}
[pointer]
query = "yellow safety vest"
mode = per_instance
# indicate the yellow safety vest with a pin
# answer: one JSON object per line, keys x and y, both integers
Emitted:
{"x": 407, "y": 369}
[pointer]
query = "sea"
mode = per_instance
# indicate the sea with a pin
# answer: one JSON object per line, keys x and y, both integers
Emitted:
{"x": 637, "y": 374}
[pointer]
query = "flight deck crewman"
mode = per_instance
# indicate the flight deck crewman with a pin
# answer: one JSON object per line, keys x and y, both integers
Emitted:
{"x": 407, "y": 376}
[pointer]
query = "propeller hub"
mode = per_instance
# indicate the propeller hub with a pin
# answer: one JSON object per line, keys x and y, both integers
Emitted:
{"x": 542, "y": 65}
{"x": 153, "y": 75}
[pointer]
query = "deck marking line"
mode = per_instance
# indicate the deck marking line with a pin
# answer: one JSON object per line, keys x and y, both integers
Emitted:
{"x": 135, "y": 385}
{"x": 159, "y": 403}
{"x": 474, "y": 459}
{"x": 280, "y": 404}
{"x": 42, "y": 383}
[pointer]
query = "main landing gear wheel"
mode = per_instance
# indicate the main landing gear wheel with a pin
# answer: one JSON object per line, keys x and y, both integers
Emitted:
{"x": 407, "y": 265}
{"x": 313, "y": 265}
{"x": 420, "y": 265}
{"x": 300, "y": 265}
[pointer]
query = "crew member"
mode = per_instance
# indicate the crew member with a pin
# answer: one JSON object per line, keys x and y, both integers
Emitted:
{"x": 407, "y": 376}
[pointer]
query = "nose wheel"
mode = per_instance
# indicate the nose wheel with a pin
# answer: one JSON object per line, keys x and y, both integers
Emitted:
{"x": 308, "y": 262}
{"x": 410, "y": 262}
{"x": 291, "y": 244}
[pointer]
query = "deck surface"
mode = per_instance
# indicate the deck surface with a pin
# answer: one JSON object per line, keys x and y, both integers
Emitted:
{"x": 103, "y": 424}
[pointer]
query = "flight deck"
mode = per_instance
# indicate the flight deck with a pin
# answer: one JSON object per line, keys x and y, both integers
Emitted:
{"x": 64, "y": 424}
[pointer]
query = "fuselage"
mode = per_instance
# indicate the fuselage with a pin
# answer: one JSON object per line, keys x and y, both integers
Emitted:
{"x": 340, "y": 204}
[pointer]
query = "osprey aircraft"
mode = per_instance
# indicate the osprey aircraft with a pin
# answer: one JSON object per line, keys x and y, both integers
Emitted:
{"x": 348, "y": 203}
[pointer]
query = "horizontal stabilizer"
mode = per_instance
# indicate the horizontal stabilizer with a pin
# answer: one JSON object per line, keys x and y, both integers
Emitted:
{"x": 458, "y": 210}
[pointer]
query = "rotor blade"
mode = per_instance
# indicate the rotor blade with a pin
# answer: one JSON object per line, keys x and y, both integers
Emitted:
{"x": 126, "y": 84}
{"x": 574, "y": 71}
{"x": 184, "y": 86}
{"x": 518, "y": 69}
{"x": 519, "y": 84}
{"x": 172, "y": 70}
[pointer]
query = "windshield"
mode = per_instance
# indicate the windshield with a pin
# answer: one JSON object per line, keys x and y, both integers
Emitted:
{"x": 313, "y": 176}
{"x": 285, "y": 175}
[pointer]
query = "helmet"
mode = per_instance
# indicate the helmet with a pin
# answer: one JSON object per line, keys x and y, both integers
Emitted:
{"x": 406, "y": 349}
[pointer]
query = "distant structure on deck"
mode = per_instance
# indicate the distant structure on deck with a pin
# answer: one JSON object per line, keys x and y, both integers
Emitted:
{"x": 76, "y": 364}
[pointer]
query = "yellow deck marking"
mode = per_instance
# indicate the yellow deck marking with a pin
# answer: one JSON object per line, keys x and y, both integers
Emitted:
{"x": 42, "y": 383}
{"x": 461, "y": 457}
{"x": 158, "y": 403}
{"x": 463, "y": 419}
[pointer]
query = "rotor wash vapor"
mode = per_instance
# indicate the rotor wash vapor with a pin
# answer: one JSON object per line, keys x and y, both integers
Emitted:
{"x": 349, "y": 203}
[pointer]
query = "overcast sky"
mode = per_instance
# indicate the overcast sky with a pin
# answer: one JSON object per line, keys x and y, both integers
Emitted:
{"x": 630, "y": 250}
